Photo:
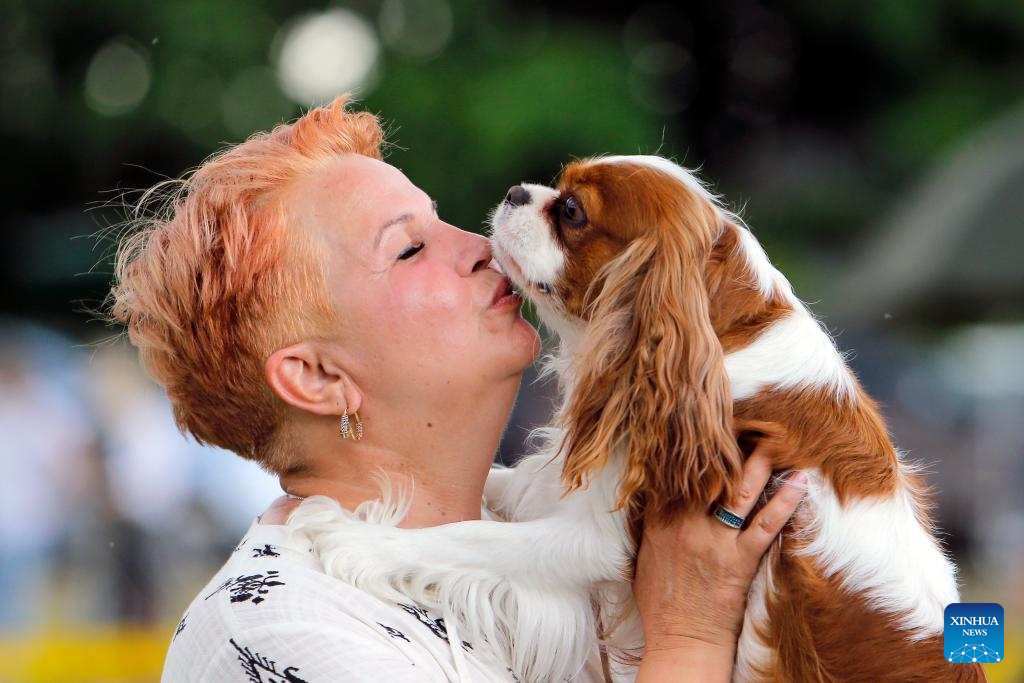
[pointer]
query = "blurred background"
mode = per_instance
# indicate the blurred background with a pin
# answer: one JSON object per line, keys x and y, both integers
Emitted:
{"x": 876, "y": 147}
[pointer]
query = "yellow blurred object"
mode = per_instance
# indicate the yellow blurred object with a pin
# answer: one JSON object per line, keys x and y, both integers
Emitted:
{"x": 136, "y": 655}
{"x": 111, "y": 655}
{"x": 1011, "y": 669}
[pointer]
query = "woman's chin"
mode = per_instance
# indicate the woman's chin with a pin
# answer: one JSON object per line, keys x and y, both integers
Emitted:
{"x": 524, "y": 344}
{"x": 533, "y": 342}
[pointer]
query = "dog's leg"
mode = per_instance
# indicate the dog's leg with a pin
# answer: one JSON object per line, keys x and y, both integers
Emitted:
{"x": 498, "y": 481}
{"x": 522, "y": 588}
{"x": 559, "y": 551}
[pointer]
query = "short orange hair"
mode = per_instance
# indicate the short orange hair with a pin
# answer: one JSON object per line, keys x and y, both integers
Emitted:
{"x": 217, "y": 279}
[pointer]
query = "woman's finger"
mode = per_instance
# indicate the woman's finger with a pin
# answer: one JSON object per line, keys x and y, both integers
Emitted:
{"x": 757, "y": 470}
{"x": 766, "y": 525}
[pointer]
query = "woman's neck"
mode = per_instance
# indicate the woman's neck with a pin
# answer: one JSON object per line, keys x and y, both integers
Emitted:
{"x": 442, "y": 462}
{"x": 437, "y": 497}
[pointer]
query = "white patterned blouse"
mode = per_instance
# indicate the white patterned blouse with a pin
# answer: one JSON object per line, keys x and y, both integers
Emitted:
{"x": 271, "y": 615}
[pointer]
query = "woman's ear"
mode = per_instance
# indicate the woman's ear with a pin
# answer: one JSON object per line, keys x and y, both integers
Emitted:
{"x": 308, "y": 377}
{"x": 650, "y": 377}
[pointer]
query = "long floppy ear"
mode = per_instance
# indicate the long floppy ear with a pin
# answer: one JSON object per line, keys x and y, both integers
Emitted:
{"x": 650, "y": 377}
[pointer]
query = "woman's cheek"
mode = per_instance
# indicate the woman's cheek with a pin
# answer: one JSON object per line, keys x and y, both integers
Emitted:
{"x": 428, "y": 310}
{"x": 433, "y": 292}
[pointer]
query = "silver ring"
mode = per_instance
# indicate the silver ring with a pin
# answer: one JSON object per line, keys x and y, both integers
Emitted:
{"x": 728, "y": 517}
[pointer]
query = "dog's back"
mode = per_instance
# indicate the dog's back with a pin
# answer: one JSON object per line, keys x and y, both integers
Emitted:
{"x": 859, "y": 585}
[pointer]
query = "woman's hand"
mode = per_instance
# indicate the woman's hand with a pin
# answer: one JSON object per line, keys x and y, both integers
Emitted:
{"x": 692, "y": 577}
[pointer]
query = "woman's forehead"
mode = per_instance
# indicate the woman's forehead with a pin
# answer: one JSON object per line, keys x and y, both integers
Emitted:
{"x": 352, "y": 195}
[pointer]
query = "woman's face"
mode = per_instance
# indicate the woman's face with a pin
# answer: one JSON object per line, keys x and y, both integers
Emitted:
{"x": 414, "y": 295}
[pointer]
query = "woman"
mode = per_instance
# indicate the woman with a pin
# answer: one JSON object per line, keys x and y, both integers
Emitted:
{"x": 296, "y": 283}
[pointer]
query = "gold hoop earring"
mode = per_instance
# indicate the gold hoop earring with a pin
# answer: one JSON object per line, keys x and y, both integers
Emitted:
{"x": 346, "y": 428}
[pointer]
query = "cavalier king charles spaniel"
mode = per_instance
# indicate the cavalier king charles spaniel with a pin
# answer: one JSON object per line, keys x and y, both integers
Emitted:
{"x": 675, "y": 334}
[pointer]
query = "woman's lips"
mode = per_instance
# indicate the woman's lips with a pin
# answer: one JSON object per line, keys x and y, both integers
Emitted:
{"x": 505, "y": 295}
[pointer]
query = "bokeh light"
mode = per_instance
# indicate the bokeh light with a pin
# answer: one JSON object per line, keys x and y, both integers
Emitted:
{"x": 664, "y": 76}
{"x": 419, "y": 29}
{"x": 323, "y": 54}
{"x": 28, "y": 85}
{"x": 662, "y": 63}
{"x": 760, "y": 66}
{"x": 655, "y": 22}
{"x": 190, "y": 94}
{"x": 118, "y": 77}
{"x": 252, "y": 101}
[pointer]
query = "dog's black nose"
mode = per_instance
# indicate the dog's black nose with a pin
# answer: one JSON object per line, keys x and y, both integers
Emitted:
{"x": 517, "y": 196}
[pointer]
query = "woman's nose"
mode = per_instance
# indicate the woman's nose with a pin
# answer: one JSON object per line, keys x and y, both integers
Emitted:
{"x": 478, "y": 253}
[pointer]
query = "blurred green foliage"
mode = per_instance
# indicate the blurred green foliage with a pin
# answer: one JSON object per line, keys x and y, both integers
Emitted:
{"x": 810, "y": 114}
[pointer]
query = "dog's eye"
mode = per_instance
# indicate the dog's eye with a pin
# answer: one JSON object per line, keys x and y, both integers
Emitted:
{"x": 572, "y": 212}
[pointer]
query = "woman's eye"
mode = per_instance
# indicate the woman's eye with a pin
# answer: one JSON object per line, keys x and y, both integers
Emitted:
{"x": 572, "y": 212}
{"x": 410, "y": 251}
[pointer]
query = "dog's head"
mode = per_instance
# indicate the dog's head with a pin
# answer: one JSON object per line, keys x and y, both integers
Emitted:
{"x": 616, "y": 259}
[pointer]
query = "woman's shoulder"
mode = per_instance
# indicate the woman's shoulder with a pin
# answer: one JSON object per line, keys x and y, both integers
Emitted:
{"x": 271, "y": 604}
{"x": 273, "y": 577}
{"x": 268, "y": 605}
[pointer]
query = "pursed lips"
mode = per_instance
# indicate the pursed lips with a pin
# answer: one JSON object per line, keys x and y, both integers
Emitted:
{"x": 504, "y": 293}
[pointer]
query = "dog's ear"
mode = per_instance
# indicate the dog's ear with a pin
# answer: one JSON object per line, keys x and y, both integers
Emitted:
{"x": 650, "y": 378}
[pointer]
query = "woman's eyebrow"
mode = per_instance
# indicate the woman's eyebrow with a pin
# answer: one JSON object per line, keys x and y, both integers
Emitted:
{"x": 390, "y": 223}
{"x": 397, "y": 220}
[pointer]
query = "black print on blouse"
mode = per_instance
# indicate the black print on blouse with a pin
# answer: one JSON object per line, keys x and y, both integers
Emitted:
{"x": 252, "y": 587}
{"x": 514, "y": 677}
{"x": 256, "y": 665}
{"x": 180, "y": 628}
{"x": 266, "y": 551}
{"x": 436, "y": 626}
{"x": 393, "y": 632}
{"x": 240, "y": 544}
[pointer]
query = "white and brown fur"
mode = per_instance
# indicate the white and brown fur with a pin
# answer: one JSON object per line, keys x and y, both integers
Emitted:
{"x": 675, "y": 333}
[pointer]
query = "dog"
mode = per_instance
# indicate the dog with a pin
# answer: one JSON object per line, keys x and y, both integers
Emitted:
{"x": 675, "y": 334}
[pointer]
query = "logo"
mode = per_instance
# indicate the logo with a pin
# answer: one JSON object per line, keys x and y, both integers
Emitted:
{"x": 973, "y": 632}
